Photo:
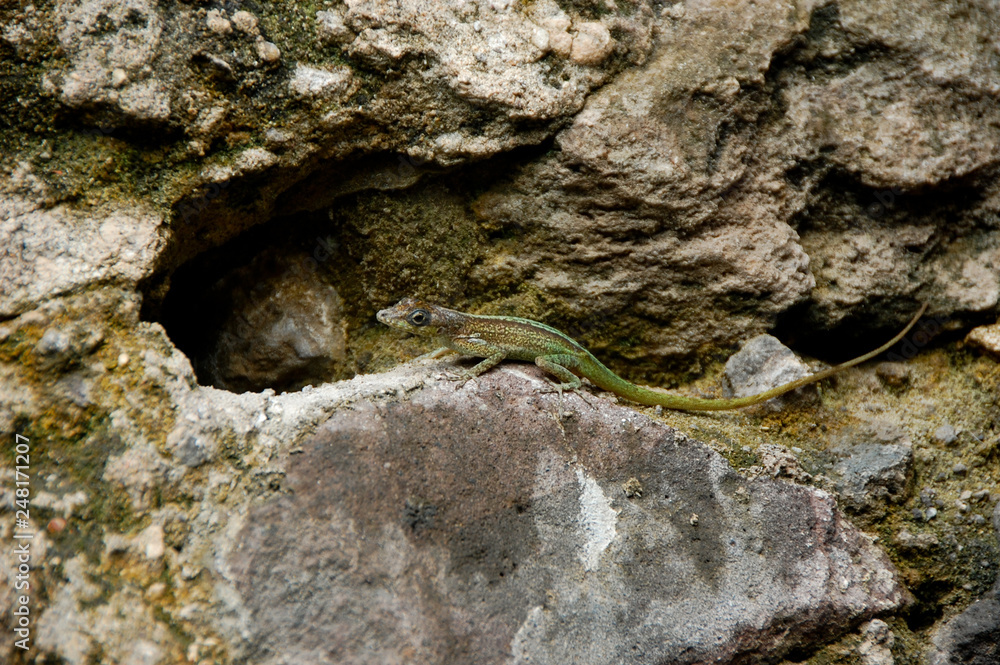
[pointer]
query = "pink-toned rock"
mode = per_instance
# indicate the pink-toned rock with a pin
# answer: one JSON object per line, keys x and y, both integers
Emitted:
{"x": 592, "y": 44}
{"x": 492, "y": 520}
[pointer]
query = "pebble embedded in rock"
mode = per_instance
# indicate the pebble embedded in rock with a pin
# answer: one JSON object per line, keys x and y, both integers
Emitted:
{"x": 118, "y": 77}
{"x": 945, "y": 434}
{"x": 894, "y": 374}
{"x": 245, "y": 22}
{"x": 592, "y": 44}
{"x": 540, "y": 39}
{"x": 268, "y": 52}
{"x": 217, "y": 22}
{"x": 331, "y": 28}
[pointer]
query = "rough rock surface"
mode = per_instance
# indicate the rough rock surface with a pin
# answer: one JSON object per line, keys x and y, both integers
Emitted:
{"x": 51, "y": 251}
{"x": 729, "y": 171}
{"x": 972, "y": 637}
{"x": 491, "y": 521}
{"x": 874, "y": 474}
{"x": 663, "y": 181}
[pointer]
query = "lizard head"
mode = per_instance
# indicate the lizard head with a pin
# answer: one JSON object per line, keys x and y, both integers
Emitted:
{"x": 416, "y": 316}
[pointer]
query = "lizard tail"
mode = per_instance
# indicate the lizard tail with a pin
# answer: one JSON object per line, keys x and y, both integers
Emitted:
{"x": 608, "y": 380}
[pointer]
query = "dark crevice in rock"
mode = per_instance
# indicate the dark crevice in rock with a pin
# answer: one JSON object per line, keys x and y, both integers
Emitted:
{"x": 273, "y": 306}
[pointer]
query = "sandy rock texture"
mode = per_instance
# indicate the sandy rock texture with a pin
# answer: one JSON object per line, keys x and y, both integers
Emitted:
{"x": 202, "y": 205}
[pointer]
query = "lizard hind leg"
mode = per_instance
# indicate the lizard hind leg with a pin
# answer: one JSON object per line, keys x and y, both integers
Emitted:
{"x": 559, "y": 365}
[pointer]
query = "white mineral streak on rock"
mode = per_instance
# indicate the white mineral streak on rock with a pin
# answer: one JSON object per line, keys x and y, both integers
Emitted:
{"x": 597, "y": 520}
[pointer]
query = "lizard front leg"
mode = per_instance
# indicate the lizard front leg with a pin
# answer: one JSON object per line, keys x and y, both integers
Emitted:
{"x": 492, "y": 356}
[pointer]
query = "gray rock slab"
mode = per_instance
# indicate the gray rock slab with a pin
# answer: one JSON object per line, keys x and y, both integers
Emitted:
{"x": 873, "y": 475}
{"x": 489, "y": 524}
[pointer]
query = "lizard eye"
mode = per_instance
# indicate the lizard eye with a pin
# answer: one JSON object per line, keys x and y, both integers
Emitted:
{"x": 419, "y": 317}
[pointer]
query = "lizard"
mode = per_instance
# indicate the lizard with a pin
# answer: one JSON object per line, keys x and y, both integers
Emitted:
{"x": 497, "y": 338}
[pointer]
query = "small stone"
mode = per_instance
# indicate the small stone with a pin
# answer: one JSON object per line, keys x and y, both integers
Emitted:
{"x": 873, "y": 475}
{"x": 245, "y": 22}
{"x": 331, "y": 28}
{"x": 118, "y": 77}
{"x": 152, "y": 538}
{"x": 917, "y": 514}
{"x": 540, "y": 39}
{"x": 977, "y": 520}
{"x": 592, "y": 44}
{"x": 945, "y": 434}
{"x": 962, "y": 506}
{"x": 965, "y": 496}
{"x": 312, "y": 82}
{"x": 986, "y": 338}
{"x": 920, "y": 541}
{"x": 694, "y": 519}
{"x": 959, "y": 469}
{"x": 123, "y": 359}
{"x": 53, "y": 342}
{"x": 268, "y": 52}
{"x": 156, "y": 590}
{"x": 931, "y": 513}
{"x": 981, "y": 495}
{"x": 894, "y": 374}
{"x": 632, "y": 488}
{"x": 217, "y": 22}
{"x": 763, "y": 363}
{"x": 56, "y": 525}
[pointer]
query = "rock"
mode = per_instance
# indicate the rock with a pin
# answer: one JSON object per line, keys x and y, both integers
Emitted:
{"x": 99, "y": 35}
{"x": 62, "y": 249}
{"x": 189, "y": 447}
{"x": 126, "y": 627}
{"x": 533, "y": 551}
{"x": 592, "y": 44}
{"x": 876, "y": 647}
{"x": 268, "y": 52}
{"x": 331, "y": 27}
{"x": 763, "y": 363}
{"x": 945, "y": 434}
{"x": 217, "y": 22}
{"x": 245, "y": 22}
{"x": 312, "y": 82}
{"x": 921, "y": 542}
{"x": 272, "y": 323}
{"x": 986, "y": 338}
{"x": 778, "y": 462}
{"x": 683, "y": 228}
{"x": 894, "y": 374}
{"x": 972, "y": 637}
{"x": 874, "y": 475}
